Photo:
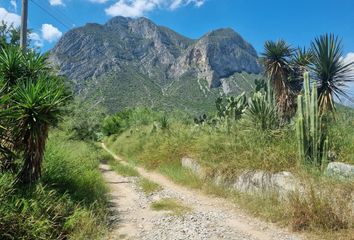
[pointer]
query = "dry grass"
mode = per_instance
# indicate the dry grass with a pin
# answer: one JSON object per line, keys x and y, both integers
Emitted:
{"x": 148, "y": 186}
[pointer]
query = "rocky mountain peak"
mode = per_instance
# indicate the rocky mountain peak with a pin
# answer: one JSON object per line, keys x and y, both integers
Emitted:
{"x": 155, "y": 51}
{"x": 216, "y": 55}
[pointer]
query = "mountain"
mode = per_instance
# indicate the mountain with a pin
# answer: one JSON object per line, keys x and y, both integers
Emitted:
{"x": 128, "y": 62}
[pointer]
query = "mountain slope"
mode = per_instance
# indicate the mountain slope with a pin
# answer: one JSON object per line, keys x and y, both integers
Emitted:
{"x": 129, "y": 62}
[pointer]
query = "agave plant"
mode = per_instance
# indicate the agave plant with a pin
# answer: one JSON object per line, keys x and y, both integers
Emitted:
{"x": 36, "y": 105}
{"x": 276, "y": 59}
{"x": 261, "y": 112}
{"x": 330, "y": 71}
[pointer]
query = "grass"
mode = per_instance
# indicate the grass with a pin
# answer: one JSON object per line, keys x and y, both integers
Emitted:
{"x": 122, "y": 169}
{"x": 172, "y": 205}
{"x": 181, "y": 175}
{"x": 62, "y": 205}
{"x": 148, "y": 186}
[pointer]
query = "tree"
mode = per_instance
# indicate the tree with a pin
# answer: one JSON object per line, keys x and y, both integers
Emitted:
{"x": 276, "y": 59}
{"x": 85, "y": 120}
{"x": 9, "y": 35}
{"x": 37, "y": 105}
{"x": 329, "y": 69}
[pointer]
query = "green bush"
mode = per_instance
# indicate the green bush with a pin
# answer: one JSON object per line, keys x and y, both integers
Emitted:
{"x": 128, "y": 118}
{"x": 84, "y": 121}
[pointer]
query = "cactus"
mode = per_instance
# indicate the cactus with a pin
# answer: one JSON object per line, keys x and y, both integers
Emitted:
{"x": 233, "y": 108}
{"x": 312, "y": 140}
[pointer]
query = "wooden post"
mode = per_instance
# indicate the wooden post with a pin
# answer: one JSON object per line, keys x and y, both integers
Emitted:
{"x": 24, "y": 16}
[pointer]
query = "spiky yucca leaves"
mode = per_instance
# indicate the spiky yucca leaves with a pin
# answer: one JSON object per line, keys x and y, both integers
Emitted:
{"x": 35, "y": 64}
{"x": 302, "y": 57}
{"x": 11, "y": 65}
{"x": 16, "y": 65}
{"x": 330, "y": 71}
{"x": 276, "y": 59}
{"x": 37, "y": 105}
{"x": 301, "y": 62}
{"x": 260, "y": 114}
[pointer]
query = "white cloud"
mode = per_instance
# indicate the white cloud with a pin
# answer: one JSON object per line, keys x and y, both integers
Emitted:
{"x": 138, "y": 8}
{"x": 98, "y": 1}
{"x": 36, "y": 39}
{"x": 349, "y": 59}
{"x": 50, "y": 33}
{"x": 180, "y": 3}
{"x": 56, "y": 2}
{"x": 14, "y": 4}
{"x": 9, "y": 18}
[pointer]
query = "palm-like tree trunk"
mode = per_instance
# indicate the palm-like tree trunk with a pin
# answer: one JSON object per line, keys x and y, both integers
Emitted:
{"x": 33, "y": 152}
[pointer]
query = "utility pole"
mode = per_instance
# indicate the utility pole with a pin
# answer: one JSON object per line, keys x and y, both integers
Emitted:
{"x": 24, "y": 16}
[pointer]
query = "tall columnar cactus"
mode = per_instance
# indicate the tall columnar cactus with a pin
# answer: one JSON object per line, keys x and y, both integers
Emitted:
{"x": 311, "y": 135}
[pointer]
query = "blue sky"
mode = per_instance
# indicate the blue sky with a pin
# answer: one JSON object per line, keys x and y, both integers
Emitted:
{"x": 298, "y": 22}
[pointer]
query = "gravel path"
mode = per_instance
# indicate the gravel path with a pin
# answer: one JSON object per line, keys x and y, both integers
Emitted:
{"x": 211, "y": 217}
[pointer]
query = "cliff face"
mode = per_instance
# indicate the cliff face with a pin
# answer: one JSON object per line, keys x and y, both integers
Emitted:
{"x": 217, "y": 55}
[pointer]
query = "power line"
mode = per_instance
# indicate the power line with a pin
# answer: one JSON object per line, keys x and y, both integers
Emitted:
{"x": 57, "y": 19}
{"x": 64, "y": 16}
{"x": 50, "y": 14}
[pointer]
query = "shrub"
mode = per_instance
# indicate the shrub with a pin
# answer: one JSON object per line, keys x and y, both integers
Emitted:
{"x": 318, "y": 210}
{"x": 84, "y": 121}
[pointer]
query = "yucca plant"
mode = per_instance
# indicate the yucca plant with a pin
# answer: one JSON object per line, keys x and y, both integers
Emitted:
{"x": 16, "y": 65}
{"x": 276, "y": 60}
{"x": 302, "y": 58}
{"x": 35, "y": 64}
{"x": 37, "y": 105}
{"x": 12, "y": 65}
{"x": 331, "y": 72}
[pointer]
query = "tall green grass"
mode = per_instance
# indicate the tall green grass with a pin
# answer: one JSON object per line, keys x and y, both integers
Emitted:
{"x": 68, "y": 203}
